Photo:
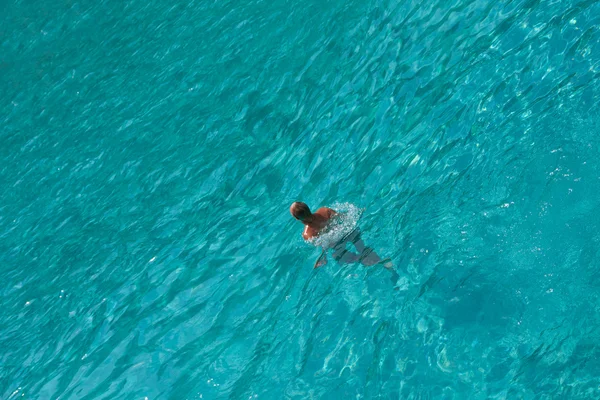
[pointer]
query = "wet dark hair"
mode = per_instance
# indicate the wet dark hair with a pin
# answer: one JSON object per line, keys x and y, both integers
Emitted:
{"x": 300, "y": 210}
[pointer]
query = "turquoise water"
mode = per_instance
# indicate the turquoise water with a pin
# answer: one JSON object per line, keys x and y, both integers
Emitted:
{"x": 150, "y": 151}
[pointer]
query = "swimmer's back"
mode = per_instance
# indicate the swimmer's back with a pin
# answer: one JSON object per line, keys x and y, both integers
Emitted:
{"x": 321, "y": 217}
{"x": 326, "y": 213}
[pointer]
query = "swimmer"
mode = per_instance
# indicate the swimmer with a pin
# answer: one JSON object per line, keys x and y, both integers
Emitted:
{"x": 317, "y": 222}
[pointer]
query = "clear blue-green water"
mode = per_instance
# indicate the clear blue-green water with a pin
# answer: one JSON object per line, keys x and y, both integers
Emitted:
{"x": 149, "y": 151}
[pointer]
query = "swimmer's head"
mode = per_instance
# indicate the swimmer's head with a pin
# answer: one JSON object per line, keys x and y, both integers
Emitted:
{"x": 300, "y": 211}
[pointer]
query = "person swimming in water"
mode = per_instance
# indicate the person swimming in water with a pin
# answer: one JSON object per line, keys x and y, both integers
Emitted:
{"x": 319, "y": 221}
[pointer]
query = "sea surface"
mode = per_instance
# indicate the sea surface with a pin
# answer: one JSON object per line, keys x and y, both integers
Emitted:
{"x": 150, "y": 150}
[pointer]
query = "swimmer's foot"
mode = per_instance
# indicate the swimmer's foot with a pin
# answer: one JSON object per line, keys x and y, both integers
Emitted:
{"x": 394, "y": 278}
{"x": 387, "y": 262}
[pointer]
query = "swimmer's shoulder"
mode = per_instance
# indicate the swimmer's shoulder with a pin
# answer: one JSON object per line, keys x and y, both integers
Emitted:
{"x": 326, "y": 212}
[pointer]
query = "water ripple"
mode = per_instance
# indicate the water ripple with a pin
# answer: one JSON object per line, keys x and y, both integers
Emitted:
{"x": 150, "y": 152}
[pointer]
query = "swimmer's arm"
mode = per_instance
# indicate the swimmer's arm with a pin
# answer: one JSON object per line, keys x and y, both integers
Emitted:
{"x": 322, "y": 260}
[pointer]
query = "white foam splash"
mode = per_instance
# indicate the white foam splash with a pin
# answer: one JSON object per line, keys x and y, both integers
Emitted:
{"x": 339, "y": 226}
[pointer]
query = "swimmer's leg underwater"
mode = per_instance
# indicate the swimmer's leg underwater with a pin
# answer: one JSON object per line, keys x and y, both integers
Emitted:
{"x": 366, "y": 255}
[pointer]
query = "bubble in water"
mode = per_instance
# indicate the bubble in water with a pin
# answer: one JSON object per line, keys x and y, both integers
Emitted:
{"x": 339, "y": 226}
